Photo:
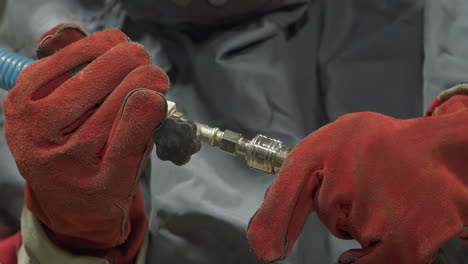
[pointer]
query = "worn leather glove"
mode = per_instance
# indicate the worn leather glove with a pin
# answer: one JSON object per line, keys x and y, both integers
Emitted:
{"x": 78, "y": 123}
{"x": 399, "y": 187}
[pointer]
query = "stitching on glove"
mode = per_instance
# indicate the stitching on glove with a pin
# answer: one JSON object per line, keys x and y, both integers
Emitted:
{"x": 145, "y": 153}
{"x": 124, "y": 221}
{"x": 284, "y": 254}
{"x": 138, "y": 173}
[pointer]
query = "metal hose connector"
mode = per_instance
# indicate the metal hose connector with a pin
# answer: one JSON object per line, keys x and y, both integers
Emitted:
{"x": 11, "y": 65}
{"x": 261, "y": 152}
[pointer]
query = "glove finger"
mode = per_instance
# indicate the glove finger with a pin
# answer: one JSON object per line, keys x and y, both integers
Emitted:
{"x": 57, "y": 38}
{"x": 95, "y": 131}
{"x": 76, "y": 100}
{"x": 44, "y": 74}
{"x": 275, "y": 227}
{"x": 130, "y": 141}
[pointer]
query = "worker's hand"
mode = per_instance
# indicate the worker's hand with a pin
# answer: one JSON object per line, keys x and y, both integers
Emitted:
{"x": 398, "y": 187}
{"x": 78, "y": 123}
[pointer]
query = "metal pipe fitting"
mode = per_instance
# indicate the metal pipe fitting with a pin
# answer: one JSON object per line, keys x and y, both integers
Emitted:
{"x": 262, "y": 153}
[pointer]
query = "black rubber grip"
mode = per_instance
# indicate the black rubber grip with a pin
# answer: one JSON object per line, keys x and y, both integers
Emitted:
{"x": 176, "y": 140}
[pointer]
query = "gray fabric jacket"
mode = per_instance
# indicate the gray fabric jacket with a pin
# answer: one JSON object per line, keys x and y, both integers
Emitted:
{"x": 277, "y": 67}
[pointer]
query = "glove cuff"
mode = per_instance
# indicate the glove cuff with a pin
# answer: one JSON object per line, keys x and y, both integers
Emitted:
{"x": 124, "y": 253}
{"x": 38, "y": 245}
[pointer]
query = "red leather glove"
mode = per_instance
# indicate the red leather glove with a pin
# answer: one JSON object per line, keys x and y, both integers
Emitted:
{"x": 399, "y": 187}
{"x": 82, "y": 140}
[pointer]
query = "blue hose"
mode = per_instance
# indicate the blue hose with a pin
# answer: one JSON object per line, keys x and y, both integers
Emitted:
{"x": 11, "y": 65}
